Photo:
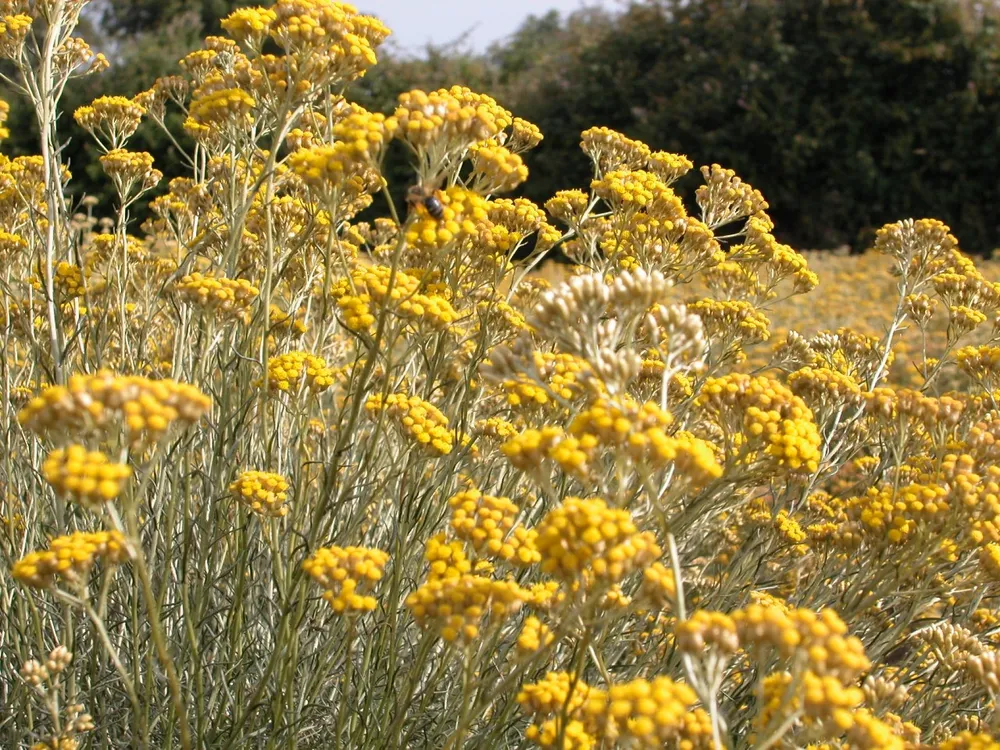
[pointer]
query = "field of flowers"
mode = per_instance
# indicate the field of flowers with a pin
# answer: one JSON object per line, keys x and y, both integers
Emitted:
{"x": 275, "y": 477}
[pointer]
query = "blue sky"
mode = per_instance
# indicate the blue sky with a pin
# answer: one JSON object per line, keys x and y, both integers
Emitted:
{"x": 416, "y": 22}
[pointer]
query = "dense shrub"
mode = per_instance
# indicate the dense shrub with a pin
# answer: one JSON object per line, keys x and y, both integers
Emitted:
{"x": 272, "y": 476}
{"x": 846, "y": 113}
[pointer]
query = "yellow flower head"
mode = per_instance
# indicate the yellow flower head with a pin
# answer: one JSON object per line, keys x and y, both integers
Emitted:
{"x": 263, "y": 492}
{"x": 88, "y": 477}
{"x": 347, "y": 573}
{"x": 70, "y": 558}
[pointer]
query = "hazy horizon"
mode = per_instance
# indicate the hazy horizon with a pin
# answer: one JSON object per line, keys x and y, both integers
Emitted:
{"x": 415, "y": 24}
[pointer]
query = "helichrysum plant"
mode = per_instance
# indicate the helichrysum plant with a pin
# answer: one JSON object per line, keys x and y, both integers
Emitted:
{"x": 277, "y": 477}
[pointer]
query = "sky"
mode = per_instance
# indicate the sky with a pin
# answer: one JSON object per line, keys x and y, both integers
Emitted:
{"x": 414, "y": 23}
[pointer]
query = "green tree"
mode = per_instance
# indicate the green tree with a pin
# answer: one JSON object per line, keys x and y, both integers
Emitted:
{"x": 124, "y": 18}
{"x": 846, "y": 113}
{"x": 135, "y": 63}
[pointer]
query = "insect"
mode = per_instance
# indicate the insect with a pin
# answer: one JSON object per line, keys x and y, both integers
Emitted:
{"x": 426, "y": 196}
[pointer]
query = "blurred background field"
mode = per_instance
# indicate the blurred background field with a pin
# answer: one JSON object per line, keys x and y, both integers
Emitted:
{"x": 859, "y": 292}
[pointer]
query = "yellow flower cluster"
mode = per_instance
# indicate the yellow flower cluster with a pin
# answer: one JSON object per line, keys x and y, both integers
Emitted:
{"x": 263, "y": 492}
{"x": 11, "y": 245}
{"x": 88, "y": 477}
{"x": 360, "y": 138}
{"x": 989, "y": 559}
{"x": 659, "y": 585}
{"x": 640, "y": 713}
{"x": 968, "y": 296}
{"x": 584, "y": 537}
{"x": 420, "y": 421}
{"x": 527, "y": 450}
{"x": 347, "y": 573}
{"x": 130, "y": 171}
{"x": 982, "y": 363}
{"x": 725, "y": 198}
{"x": 447, "y": 559}
{"x": 524, "y": 136}
{"x": 669, "y": 167}
{"x": 293, "y": 371}
{"x": 146, "y": 408}
{"x": 368, "y": 288}
{"x": 13, "y": 32}
{"x": 228, "y": 298}
{"x": 826, "y": 699}
{"x": 489, "y": 524}
{"x": 249, "y": 26}
{"x": 731, "y": 319}
{"x": 615, "y": 425}
{"x": 309, "y": 21}
{"x": 628, "y": 192}
{"x": 769, "y": 262}
{"x": 220, "y": 110}
{"x": 463, "y": 212}
{"x": 825, "y": 390}
{"x": 496, "y": 429}
{"x": 559, "y": 377}
{"x": 70, "y": 558}
{"x": 820, "y": 636}
{"x": 68, "y": 281}
{"x": 555, "y": 692}
{"x": 705, "y": 629}
{"x": 633, "y": 431}
{"x": 495, "y": 169}
{"x": 970, "y": 741}
{"x": 450, "y": 119}
{"x": 545, "y": 700}
{"x": 923, "y": 243}
{"x": 769, "y": 413}
{"x": 455, "y": 607}
{"x": 610, "y": 150}
{"x": 534, "y": 636}
{"x": 568, "y": 206}
{"x": 112, "y": 119}
{"x": 329, "y": 41}
{"x": 896, "y": 512}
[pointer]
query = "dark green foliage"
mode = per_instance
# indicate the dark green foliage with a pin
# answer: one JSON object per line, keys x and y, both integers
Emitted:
{"x": 846, "y": 114}
{"x": 136, "y": 62}
{"x": 123, "y": 18}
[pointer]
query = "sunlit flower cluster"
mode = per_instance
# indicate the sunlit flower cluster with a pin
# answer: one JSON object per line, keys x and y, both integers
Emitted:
{"x": 346, "y": 574}
{"x": 462, "y": 213}
{"x": 650, "y": 497}
{"x": 70, "y": 558}
{"x": 88, "y": 477}
{"x": 768, "y": 412}
{"x": 367, "y": 290}
{"x": 263, "y": 492}
{"x": 144, "y": 408}
{"x": 419, "y": 420}
{"x": 585, "y": 536}
{"x": 456, "y": 606}
{"x": 489, "y": 524}
{"x": 293, "y": 371}
{"x": 449, "y": 118}
{"x": 219, "y": 295}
